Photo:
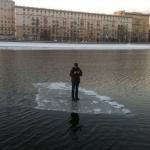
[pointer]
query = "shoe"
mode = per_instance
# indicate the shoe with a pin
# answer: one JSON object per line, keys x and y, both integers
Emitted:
{"x": 73, "y": 99}
{"x": 77, "y": 99}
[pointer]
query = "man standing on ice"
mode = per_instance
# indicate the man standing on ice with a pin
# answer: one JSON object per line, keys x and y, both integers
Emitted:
{"x": 75, "y": 74}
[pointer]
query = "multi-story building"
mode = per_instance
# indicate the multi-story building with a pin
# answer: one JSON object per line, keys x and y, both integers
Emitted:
{"x": 29, "y": 23}
{"x": 59, "y": 25}
{"x": 7, "y": 19}
{"x": 140, "y": 25}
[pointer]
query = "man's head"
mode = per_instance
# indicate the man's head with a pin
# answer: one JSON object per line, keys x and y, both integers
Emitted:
{"x": 75, "y": 65}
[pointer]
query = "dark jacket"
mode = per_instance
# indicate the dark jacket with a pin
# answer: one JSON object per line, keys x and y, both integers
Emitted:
{"x": 75, "y": 74}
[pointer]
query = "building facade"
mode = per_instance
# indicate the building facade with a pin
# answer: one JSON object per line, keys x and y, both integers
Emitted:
{"x": 68, "y": 26}
{"x": 29, "y": 23}
{"x": 7, "y": 20}
{"x": 140, "y": 25}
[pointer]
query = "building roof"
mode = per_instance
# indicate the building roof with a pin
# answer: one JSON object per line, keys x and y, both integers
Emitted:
{"x": 70, "y": 11}
{"x": 132, "y": 13}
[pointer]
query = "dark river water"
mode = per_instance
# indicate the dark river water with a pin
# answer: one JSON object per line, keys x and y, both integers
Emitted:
{"x": 31, "y": 82}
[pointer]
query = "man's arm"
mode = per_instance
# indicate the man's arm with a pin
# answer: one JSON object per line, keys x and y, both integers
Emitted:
{"x": 81, "y": 72}
{"x": 71, "y": 73}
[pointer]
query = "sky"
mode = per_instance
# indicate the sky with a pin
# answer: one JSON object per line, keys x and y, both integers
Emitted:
{"x": 97, "y": 6}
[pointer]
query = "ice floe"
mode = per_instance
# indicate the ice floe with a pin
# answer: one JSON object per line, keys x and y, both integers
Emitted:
{"x": 57, "y": 96}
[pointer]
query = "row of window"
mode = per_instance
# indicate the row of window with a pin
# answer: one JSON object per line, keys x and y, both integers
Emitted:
{"x": 26, "y": 19}
{"x": 6, "y": 33}
{"x": 6, "y": 22}
{"x": 73, "y": 31}
{"x": 7, "y": 9}
{"x": 91, "y": 35}
{"x": 76, "y": 22}
{"x": 27, "y": 10}
{"x": 59, "y": 19}
{"x": 83, "y": 25}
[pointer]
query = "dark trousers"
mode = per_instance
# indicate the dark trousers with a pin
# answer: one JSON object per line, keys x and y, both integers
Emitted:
{"x": 75, "y": 87}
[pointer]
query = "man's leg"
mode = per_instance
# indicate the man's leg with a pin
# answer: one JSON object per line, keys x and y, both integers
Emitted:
{"x": 73, "y": 90}
{"x": 77, "y": 88}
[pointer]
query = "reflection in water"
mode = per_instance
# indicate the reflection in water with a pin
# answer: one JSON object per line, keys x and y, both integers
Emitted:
{"x": 74, "y": 125}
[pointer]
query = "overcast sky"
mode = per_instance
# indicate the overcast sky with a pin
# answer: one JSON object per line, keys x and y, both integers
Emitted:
{"x": 99, "y": 6}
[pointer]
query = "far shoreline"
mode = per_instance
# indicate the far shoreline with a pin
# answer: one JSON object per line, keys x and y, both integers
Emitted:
{"x": 24, "y": 41}
{"x": 71, "y": 46}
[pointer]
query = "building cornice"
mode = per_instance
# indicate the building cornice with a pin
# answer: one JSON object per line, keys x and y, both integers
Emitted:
{"x": 70, "y": 11}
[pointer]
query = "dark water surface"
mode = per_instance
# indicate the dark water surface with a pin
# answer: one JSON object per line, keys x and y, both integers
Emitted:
{"x": 122, "y": 75}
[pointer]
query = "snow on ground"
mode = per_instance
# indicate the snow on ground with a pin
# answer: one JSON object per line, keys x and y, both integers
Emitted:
{"x": 65, "y": 46}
